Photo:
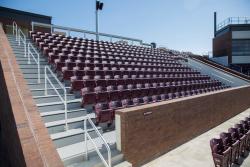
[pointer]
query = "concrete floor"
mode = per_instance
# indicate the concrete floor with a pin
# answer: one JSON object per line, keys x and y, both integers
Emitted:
{"x": 197, "y": 152}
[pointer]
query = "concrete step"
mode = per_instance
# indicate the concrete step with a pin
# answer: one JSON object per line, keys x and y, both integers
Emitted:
{"x": 75, "y": 153}
{"x": 33, "y": 71}
{"x": 21, "y": 47}
{"x": 72, "y": 136}
{"x": 35, "y": 76}
{"x": 13, "y": 38}
{"x": 31, "y": 66}
{"x": 51, "y": 116}
{"x": 26, "y": 59}
{"x": 14, "y": 42}
{"x": 42, "y": 85}
{"x": 59, "y": 105}
{"x": 32, "y": 62}
{"x": 50, "y": 91}
{"x": 116, "y": 159}
{"x": 51, "y": 98}
{"x": 59, "y": 126}
{"x": 21, "y": 54}
{"x": 27, "y": 69}
{"x": 35, "y": 80}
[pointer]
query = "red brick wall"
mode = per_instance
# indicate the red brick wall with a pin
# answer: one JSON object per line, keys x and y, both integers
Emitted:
{"x": 222, "y": 46}
{"x": 26, "y": 143}
{"x": 173, "y": 123}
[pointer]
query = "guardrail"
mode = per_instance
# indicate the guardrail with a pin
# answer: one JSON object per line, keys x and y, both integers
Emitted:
{"x": 63, "y": 97}
{"x": 87, "y": 136}
{"x": 22, "y": 38}
{"x": 15, "y": 32}
{"x": 69, "y": 30}
{"x": 31, "y": 49}
{"x": 233, "y": 20}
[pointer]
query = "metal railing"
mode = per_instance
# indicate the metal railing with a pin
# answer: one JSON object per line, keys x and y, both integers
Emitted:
{"x": 84, "y": 32}
{"x": 22, "y": 38}
{"x": 15, "y": 32}
{"x": 63, "y": 97}
{"x": 31, "y": 49}
{"x": 233, "y": 20}
{"x": 87, "y": 136}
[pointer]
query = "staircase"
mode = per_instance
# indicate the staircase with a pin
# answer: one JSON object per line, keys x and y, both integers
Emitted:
{"x": 69, "y": 143}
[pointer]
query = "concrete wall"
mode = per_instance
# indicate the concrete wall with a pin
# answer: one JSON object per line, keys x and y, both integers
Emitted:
{"x": 225, "y": 78}
{"x": 25, "y": 139}
{"x": 221, "y": 60}
{"x": 151, "y": 130}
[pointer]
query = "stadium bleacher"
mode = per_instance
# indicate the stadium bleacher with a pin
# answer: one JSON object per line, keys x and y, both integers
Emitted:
{"x": 112, "y": 75}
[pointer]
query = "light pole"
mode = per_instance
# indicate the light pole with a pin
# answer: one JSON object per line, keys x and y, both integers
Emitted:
{"x": 99, "y": 6}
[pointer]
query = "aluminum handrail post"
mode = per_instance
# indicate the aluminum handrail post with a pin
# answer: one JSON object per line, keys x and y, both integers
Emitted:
{"x": 45, "y": 81}
{"x": 25, "y": 47}
{"x": 85, "y": 138}
{"x": 65, "y": 109}
{"x": 29, "y": 53}
{"x": 38, "y": 69}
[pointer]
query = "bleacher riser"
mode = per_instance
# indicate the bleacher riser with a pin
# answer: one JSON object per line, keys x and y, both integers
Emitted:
{"x": 52, "y": 98}
{"x": 40, "y": 91}
{"x": 74, "y": 138}
{"x": 52, "y": 129}
{"x": 47, "y": 107}
{"x": 57, "y": 116}
{"x": 42, "y": 85}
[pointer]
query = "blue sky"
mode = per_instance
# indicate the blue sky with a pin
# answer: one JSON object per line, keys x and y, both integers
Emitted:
{"x": 177, "y": 24}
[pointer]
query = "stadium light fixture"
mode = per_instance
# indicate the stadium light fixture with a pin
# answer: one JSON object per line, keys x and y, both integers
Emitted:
{"x": 99, "y": 6}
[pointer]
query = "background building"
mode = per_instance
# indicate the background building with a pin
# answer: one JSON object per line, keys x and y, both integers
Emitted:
{"x": 22, "y": 18}
{"x": 231, "y": 43}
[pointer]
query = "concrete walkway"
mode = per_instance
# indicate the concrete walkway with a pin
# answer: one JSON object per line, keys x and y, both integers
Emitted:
{"x": 197, "y": 152}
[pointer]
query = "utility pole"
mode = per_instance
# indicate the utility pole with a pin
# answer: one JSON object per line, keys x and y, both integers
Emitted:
{"x": 99, "y": 6}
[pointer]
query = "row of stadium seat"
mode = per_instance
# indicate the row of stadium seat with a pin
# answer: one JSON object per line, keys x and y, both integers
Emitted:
{"x": 50, "y": 42}
{"x": 232, "y": 144}
{"x": 96, "y": 59}
{"x": 77, "y": 83}
{"x": 96, "y": 68}
{"x": 108, "y": 102}
{"x": 55, "y": 59}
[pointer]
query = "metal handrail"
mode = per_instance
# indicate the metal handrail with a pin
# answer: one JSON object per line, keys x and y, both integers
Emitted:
{"x": 233, "y": 20}
{"x": 14, "y": 26}
{"x": 62, "y": 98}
{"x": 30, "y": 49}
{"x": 87, "y": 136}
{"x": 69, "y": 30}
{"x": 22, "y": 37}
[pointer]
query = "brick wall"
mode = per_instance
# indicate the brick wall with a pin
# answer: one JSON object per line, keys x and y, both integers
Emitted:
{"x": 151, "y": 130}
{"x": 25, "y": 139}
